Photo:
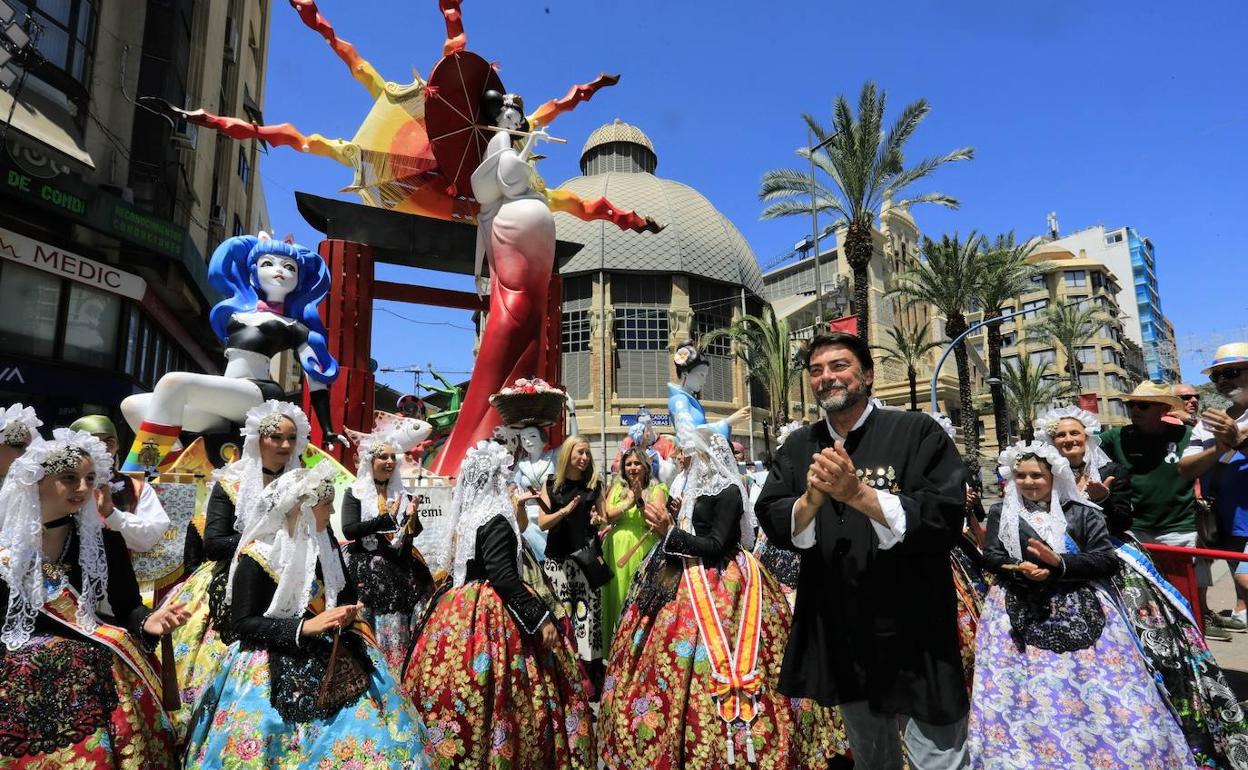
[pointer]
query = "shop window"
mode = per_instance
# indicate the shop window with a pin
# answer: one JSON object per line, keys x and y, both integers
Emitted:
{"x": 65, "y": 38}
{"x": 29, "y": 301}
{"x": 91, "y": 326}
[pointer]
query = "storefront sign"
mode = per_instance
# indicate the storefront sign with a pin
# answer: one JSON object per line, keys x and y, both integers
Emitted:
{"x": 45, "y": 381}
{"x": 657, "y": 419}
{"x": 41, "y": 256}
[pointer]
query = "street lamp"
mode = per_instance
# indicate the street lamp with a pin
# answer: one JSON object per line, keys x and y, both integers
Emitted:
{"x": 814, "y": 221}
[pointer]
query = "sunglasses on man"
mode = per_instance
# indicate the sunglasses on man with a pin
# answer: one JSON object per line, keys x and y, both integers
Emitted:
{"x": 1225, "y": 374}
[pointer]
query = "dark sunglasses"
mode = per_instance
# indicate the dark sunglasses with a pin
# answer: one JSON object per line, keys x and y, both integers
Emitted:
{"x": 1225, "y": 374}
{"x": 1190, "y": 397}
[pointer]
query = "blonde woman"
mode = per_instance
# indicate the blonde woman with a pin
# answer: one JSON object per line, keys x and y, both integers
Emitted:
{"x": 572, "y": 503}
{"x": 627, "y": 534}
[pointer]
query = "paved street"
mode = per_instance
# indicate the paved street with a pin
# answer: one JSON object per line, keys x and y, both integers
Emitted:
{"x": 1232, "y": 655}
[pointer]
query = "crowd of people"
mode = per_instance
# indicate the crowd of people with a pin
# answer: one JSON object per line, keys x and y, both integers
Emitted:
{"x": 853, "y": 605}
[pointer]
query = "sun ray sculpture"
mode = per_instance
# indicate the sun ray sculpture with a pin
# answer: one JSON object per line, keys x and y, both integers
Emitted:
{"x": 395, "y": 163}
{"x": 458, "y": 147}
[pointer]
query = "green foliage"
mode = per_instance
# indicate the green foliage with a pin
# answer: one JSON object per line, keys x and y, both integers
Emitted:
{"x": 1029, "y": 389}
{"x": 764, "y": 344}
{"x": 908, "y": 347}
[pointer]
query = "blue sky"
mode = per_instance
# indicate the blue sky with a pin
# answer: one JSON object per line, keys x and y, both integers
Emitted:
{"x": 1106, "y": 112}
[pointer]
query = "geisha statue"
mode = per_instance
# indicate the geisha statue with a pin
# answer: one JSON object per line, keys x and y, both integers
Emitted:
{"x": 692, "y": 367}
{"x": 272, "y": 290}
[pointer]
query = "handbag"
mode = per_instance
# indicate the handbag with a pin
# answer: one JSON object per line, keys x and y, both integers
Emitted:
{"x": 345, "y": 679}
{"x": 1209, "y": 532}
{"x": 589, "y": 559}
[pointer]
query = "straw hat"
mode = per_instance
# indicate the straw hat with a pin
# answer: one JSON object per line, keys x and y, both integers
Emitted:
{"x": 1152, "y": 393}
{"x": 1225, "y": 355}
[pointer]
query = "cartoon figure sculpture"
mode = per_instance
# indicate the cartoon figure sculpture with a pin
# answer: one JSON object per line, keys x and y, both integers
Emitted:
{"x": 692, "y": 367}
{"x": 272, "y": 290}
{"x": 442, "y": 148}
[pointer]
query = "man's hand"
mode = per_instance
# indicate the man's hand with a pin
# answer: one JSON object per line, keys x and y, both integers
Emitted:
{"x": 104, "y": 501}
{"x": 832, "y": 473}
{"x": 1223, "y": 428}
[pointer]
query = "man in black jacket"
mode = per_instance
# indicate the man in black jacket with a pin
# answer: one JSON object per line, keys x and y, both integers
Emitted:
{"x": 872, "y": 500}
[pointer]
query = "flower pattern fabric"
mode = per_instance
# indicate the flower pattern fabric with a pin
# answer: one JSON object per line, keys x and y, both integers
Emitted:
{"x": 491, "y": 696}
{"x": 657, "y": 711}
{"x": 198, "y": 648}
{"x": 236, "y": 726}
{"x": 1208, "y": 710}
{"x": 970, "y": 582}
{"x": 73, "y": 703}
{"x": 1093, "y": 709}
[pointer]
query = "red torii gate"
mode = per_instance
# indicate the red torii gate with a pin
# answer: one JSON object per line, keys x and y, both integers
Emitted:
{"x": 357, "y": 238}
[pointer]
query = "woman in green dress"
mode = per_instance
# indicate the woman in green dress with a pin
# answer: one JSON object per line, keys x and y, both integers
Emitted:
{"x": 627, "y": 535}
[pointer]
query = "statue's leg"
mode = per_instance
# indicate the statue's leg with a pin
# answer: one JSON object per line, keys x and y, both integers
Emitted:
{"x": 165, "y": 414}
{"x": 522, "y": 242}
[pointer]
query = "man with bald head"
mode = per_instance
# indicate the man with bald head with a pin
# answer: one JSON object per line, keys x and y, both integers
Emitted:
{"x": 1191, "y": 403}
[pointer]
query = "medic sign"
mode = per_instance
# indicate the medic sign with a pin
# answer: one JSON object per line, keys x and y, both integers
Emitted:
{"x": 41, "y": 256}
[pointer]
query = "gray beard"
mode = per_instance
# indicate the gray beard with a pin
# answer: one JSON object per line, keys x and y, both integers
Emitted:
{"x": 840, "y": 399}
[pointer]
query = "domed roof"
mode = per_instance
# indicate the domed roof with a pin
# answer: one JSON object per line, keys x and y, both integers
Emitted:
{"x": 696, "y": 239}
{"x": 616, "y": 131}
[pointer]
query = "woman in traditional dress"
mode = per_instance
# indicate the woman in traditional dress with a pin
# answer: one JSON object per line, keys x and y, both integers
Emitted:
{"x": 573, "y": 507}
{"x": 18, "y": 427}
{"x": 274, "y": 435}
{"x": 388, "y": 573}
{"x": 1173, "y": 643}
{"x": 75, "y": 691}
{"x": 498, "y": 685}
{"x": 1059, "y": 680}
{"x": 627, "y": 534}
{"x": 693, "y": 672}
{"x": 304, "y": 685}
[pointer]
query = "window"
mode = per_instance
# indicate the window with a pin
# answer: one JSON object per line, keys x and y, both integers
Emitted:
{"x": 1113, "y": 238}
{"x": 641, "y": 328}
{"x": 130, "y": 364}
{"x": 1009, "y": 340}
{"x": 1075, "y": 277}
{"x": 712, "y": 305}
{"x": 642, "y": 334}
{"x": 1038, "y": 279}
{"x": 1033, "y": 308}
{"x": 1089, "y": 383}
{"x": 1098, "y": 279}
{"x": 1010, "y": 361}
{"x": 1117, "y": 408}
{"x": 1040, "y": 357}
{"x": 29, "y": 302}
{"x": 1110, "y": 356}
{"x": 1086, "y": 355}
{"x": 244, "y": 166}
{"x": 91, "y": 326}
{"x": 238, "y": 226}
{"x": 575, "y": 334}
{"x": 65, "y": 40}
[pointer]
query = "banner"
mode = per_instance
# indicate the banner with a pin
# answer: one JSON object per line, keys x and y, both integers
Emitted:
{"x": 1089, "y": 403}
{"x": 434, "y": 510}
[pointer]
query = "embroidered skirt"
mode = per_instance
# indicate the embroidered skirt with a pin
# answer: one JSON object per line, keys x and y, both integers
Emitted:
{"x": 1033, "y": 709}
{"x": 1175, "y": 647}
{"x": 492, "y": 697}
{"x": 657, "y": 709}
{"x": 392, "y": 593}
{"x": 66, "y": 702}
{"x": 198, "y": 647}
{"x": 237, "y": 728}
{"x": 582, "y": 604}
{"x": 971, "y": 585}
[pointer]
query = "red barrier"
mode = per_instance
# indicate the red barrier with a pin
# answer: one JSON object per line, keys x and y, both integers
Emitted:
{"x": 1175, "y": 563}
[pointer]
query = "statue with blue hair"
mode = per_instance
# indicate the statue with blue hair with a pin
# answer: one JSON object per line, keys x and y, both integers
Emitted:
{"x": 272, "y": 291}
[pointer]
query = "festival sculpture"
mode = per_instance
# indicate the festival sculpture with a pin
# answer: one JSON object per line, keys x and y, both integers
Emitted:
{"x": 659, "y": 448}
{"x": 683, "y": 400}
{"x": 442, "y": 148}
{"x": 272, "y": 290}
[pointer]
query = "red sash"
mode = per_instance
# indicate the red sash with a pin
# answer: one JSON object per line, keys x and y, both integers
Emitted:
{"x": 63, "y": 608}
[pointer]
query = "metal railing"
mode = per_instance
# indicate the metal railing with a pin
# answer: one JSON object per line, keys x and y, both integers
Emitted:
{"x": 1177, "y": 565}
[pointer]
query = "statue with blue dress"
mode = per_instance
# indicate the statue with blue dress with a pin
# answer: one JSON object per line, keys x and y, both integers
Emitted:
{"x": 683, "y": 400}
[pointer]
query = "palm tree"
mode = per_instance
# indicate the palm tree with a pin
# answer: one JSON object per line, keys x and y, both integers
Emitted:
{"x": 908, "y": 347}
{"x": 1029, "y": 389}
{"x": 1005, "y": 274}
{"x": 866, "y": 166}
{"x": 1069, "y": 326}
{"x": 946, "y": 280}
{"x": 764, "y": 344}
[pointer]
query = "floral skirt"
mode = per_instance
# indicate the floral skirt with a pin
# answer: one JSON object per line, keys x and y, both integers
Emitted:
{"x": 582, "y": 603}
{"x": 66, "y": 702}
{"x": 236, "y": 726}
{"x": 971, "y": 585}
{"x": 657, "y": 711}
{"x": 392, "y": 593}
{"x": 198, "y": 648}
{"x": 491, "y": 695}
{"x": 1208, "y": 710}
{"x": 1033, "y": 709}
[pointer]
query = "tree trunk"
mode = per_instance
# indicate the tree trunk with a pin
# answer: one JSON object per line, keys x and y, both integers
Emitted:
{"x": 858, "y": 249}
{"x": 913, "y": 375}
{"x": 1000, "y": 410}
{"x": 954, "y": 326}
{"x": 1072, "y": 365}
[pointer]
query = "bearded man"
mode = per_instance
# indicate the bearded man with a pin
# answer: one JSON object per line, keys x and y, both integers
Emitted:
{"x": 872, "y": 500}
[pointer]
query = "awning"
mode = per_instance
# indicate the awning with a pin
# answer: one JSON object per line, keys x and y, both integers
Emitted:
{"x": 49, "y": 125}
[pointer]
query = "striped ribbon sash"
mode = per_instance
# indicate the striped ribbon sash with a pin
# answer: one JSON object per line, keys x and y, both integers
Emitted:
{"x": 734, "y": 669}
{"x": 62, "y": 607}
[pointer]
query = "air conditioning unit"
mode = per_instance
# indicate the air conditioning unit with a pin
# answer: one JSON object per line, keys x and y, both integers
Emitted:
{"x": 231, "y": 40}
{"x": 217, "y": 215}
